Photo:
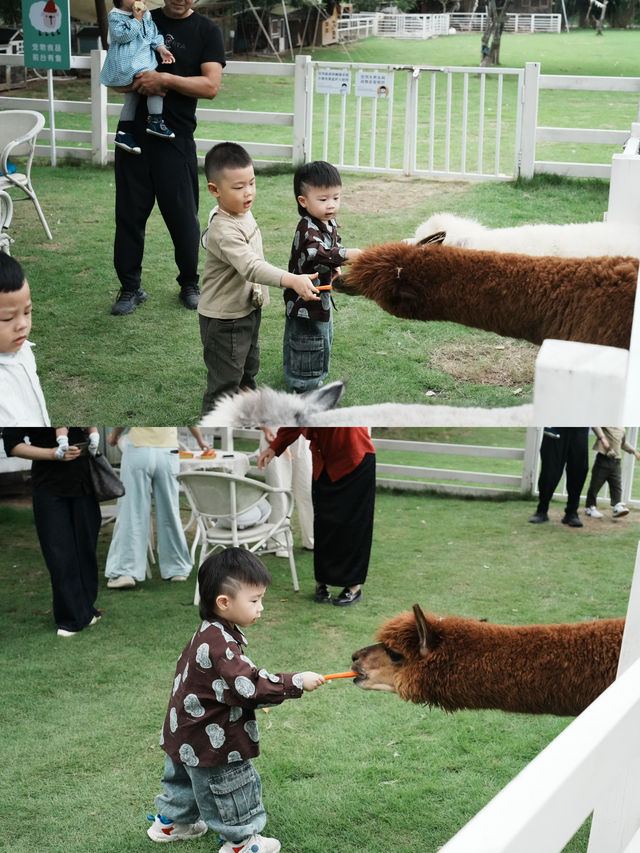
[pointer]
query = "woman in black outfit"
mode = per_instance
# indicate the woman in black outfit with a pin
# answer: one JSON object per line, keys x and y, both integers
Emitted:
{"x": 67, "y": 518}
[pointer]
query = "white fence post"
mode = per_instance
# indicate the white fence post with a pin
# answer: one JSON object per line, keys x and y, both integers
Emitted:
{"x": 411, "y": 123}
{"x": 530, "y": 462}
{"x": 98, "y": 110}
{"x": 302, "y": 110}
{"x": 529, "y": 120}
{"x": 616, "y": 818}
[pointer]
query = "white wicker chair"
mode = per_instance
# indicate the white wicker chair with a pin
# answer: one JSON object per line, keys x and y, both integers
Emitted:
{"x": 19, "y": 130}
{"x": 217, "y": 500}
{"x": 6, "y": 213}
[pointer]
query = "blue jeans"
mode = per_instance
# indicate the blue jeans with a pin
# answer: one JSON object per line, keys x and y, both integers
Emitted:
{"x": 228, "y": 798}
{"x": 145, "y": 470}
{"x": 306, "y": 352}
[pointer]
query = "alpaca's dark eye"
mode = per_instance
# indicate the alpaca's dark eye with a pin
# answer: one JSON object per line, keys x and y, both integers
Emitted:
{"x": 394, "y": 656}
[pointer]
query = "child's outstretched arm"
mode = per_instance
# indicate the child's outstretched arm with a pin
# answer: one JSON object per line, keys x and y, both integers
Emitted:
{"x": 302, "y": 284}
{"x": 311, "y": 681}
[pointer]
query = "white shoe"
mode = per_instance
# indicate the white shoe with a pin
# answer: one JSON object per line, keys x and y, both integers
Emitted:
{"x": 121, "y": 582}
{"x": 94, "y": 620}
{"x": 63, "y": 633}
{"x": 593, "y": 512}
{"x": 162, "y": 829}
{"x": 619, "y": 510}
{"x": 177, "y": 578}
{"x": 282, "y": 552}
{"x": 255, "y": 844}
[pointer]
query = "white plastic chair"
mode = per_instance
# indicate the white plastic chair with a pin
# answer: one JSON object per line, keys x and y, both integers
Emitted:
{"x": 19, "y": 130}
{"x": 6, "y": 213}
{"x": 215, "y": 497}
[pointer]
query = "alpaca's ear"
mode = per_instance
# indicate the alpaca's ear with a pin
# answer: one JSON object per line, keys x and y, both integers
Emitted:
{"x": 325, "y": 398}
{"x": 438, "y": 237}
{"x": 425, "y": 635}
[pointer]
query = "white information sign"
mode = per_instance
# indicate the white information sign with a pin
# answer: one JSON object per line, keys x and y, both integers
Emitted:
{"x": 333, "y": 81}
{"x": 373, "y": 84}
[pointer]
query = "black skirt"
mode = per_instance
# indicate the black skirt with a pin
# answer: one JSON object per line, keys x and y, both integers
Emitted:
{"x": 343, "y": 525}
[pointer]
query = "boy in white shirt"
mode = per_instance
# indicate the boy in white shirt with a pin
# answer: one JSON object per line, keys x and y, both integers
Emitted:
{"x": 21, "y": 399}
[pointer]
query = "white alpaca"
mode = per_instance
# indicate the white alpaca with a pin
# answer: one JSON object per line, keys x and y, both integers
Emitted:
{"x": 266, "y": 407}
{"x": 576, "y": 240}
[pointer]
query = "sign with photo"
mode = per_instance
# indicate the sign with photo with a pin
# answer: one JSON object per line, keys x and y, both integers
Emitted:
{"x": 333, "y": 81}
{"x": 47, "y": 34}
{"x": 374, "y": 84}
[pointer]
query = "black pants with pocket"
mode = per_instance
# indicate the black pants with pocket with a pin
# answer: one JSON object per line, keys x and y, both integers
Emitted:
{"x": 571, "y": 451}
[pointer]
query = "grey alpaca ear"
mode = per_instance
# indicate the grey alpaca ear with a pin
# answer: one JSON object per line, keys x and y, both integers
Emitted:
{"x": 325, "y": 398}
{"x": 438, "y": 237}
{"x": 425, "y": 635}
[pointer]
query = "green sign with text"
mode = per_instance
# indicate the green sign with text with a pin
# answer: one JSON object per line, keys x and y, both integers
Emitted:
{"x": 47, "y": 34}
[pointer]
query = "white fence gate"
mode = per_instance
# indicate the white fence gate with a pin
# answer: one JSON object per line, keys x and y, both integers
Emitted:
{"x": 435, "y": 121}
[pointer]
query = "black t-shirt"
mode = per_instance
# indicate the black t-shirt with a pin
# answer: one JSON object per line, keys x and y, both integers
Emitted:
{"x": 68, "y": 479}
{"x": 193, "y": 41}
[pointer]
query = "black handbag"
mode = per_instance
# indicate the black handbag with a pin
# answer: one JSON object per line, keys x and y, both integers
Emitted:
{"x": 107, "y": 485}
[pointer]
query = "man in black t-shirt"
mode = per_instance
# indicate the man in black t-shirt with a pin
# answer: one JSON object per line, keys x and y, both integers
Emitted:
{"x": 167, "y": 170}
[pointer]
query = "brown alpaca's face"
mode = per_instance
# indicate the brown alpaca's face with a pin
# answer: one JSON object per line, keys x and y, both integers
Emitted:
{"x": 377, "y": 667}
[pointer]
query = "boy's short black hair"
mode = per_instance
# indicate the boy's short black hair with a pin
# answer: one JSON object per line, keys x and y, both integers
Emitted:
{"x": 225, "y": 155}
{"x": 319, "y": 173}
{"x": 11, "y": 274}
{"x": 223, "y": 572}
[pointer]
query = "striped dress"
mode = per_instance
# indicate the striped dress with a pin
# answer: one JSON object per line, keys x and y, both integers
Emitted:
{"x": 131, "y": 49}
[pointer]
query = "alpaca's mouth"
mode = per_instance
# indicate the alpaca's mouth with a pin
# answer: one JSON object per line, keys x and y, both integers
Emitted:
{"x": 361, "y": 676}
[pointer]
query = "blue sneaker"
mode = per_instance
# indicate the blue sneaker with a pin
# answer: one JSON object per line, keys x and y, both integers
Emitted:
{"x": 157, "y": 127}
{"x": 163, "y": 829}
{"x": 127, "y": 143}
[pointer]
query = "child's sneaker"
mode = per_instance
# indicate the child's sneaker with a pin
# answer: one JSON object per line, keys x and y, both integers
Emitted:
{"x": 157, "y": 127}
{"x": 163, "y": 829}
{"x": 127, "y": 143}
{"x": 593, "y": 512}
{"x": 255, "y": 844}
{"x": 619, "y": 510}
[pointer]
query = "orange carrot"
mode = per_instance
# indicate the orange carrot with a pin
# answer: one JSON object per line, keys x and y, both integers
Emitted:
{"x": 350, "y": 674}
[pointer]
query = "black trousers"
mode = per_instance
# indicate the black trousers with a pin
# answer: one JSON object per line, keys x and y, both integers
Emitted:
{"x": 166, "y": 172}
{"x": 605, "y": 470}
{"x": 231, "y": 354}
{"x": 68, "y": 532}
{"x": 343, "y": 525}
{"x": 571, "y": 451}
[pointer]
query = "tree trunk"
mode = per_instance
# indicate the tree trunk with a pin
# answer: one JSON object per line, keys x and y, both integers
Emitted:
{"x": 103, "y": 23}
{"x": 490, "y": 50}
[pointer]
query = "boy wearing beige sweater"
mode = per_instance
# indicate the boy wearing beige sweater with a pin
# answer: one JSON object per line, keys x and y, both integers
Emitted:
{"x": 610, "y": 442}
{"x": 232, "y": 292}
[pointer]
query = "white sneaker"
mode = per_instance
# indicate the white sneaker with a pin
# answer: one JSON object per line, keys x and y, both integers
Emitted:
{"x": 619, "y": 510}
{"x": 178, "y": 578}
{"x": 593, "y": 512}
{"x": 255, "y": 844}
{"x": 64, "y": 633}
{"x": 162, "y": 829}
{"x": 121, "y": 582}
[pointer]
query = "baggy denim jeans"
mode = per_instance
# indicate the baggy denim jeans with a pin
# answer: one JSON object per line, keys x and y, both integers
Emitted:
{"x": 306, "y": 352}
{"x": 227, "y": 798}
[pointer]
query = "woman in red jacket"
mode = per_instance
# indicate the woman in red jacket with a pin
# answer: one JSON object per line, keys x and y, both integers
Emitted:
{"x": 343, "y": 495}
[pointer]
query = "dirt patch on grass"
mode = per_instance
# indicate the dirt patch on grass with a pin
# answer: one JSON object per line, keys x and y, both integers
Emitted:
{"x": 498, "y": 362}
{"x": 376, "y": 195}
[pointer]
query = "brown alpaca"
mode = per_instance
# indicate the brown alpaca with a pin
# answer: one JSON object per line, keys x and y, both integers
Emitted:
{"x": 456, "y": 663}
{"x": 521, "y": 296}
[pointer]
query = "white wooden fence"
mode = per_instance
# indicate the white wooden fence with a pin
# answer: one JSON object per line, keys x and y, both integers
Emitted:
{"x": 449, "y": 122}
{"x": 454, "y": 479}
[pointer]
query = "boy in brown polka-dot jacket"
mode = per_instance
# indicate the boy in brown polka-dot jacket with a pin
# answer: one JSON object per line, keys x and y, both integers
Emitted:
{"x": 210, "y": 732}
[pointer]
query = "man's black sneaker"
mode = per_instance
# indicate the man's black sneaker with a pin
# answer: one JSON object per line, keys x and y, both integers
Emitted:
{"x": 127, "y": 301}
{"x": 190, "y": 296}
{"x": 572, "y": 519}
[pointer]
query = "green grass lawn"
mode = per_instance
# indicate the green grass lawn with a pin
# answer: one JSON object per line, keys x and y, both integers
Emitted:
{"x": 147, "y": 368}
{"x": 342, "y": 769}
